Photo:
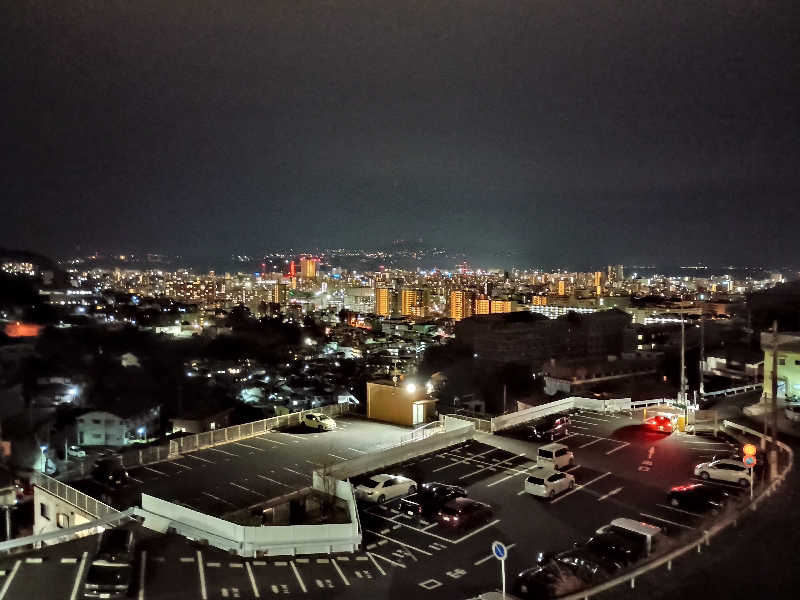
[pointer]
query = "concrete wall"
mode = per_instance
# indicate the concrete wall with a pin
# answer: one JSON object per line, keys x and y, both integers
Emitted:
{"x": 522, "y": 416}
{"x": 51, "y": 513}
{"x": 273, "y": 540}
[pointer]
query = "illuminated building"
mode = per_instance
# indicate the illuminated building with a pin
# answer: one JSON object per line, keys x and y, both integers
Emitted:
{"x": 308, "y": 267}
{"x": 413, "y": 303}
{"x": 383, "y": 304}
{"x": 500, "y": 306}
{"x": 461, "y": 302}
{"x": 562, "y": 287}
{"x": 482, "y": 306}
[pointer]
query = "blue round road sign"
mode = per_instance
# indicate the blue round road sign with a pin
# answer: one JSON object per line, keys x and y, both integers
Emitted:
{"x": 749, "y": 461}
{"x": 499, "y": 550}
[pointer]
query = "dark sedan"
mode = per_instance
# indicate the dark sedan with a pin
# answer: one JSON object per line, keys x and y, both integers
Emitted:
{"x": 698, "y": 497}
{"x": 464, "y": 512}
{"x": 430, "y": 498}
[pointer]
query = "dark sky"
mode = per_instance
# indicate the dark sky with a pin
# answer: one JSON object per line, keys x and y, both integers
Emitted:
{"x": 568, "y": 131}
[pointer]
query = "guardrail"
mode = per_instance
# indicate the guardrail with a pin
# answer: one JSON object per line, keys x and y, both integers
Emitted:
{"x": 207, "y": 439}
{"x": 735, "y": 390}
{"x": 696, "y": 544}
{"x": 72, "y": 496}
{"x": 484, "y": 425}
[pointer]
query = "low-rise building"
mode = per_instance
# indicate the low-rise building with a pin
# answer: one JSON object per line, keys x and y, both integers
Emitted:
{"x": 788, "y": 364}
{"x": 405, "y": 404}
{"x": 570, "y": 376}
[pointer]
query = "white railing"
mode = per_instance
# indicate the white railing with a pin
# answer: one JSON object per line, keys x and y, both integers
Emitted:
{"x": 84, "y": 502}
{"x": 207, "y": 439}
{"x": 735, "y": 390}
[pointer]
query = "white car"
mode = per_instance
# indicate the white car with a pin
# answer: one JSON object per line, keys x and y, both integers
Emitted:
{"x": 793, "y": 412}
{"x": 380, "y": 488}
{"x": 319, "y": 421}
{"x": 76, "y": 452}
{"x": 546, "y": 483}
{"x": 724, "y": 469}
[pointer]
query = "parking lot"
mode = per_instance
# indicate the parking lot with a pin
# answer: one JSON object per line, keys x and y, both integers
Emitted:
{"x": 621, "y": 470}
{"x": 239, "y": 474}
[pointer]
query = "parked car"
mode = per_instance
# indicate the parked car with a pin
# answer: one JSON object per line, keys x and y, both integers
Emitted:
{"x": 110, "y": 472}
{"x": 549, "y": 427}
{"x": 464, "y": 512}
{"x": 698, "y": 497}
{"x": 792, "y": 412}
{"x": 430, "y": 498}
{"x": 116, "y": 545}
{"x": 546, "y": 482}
{"x": 555, "y": 456}
{"x": 645, "y": 533}
{"x": 380, "y": 488}
{"x": 107, "y": 580}
{"x": 659, "y": 423}
{"x": 546, "y": 581}
{"x": 319, "y": 421}
{"x": 76, "y": 452}
{"x": 623, "y": 549}
{"x": 725, "y": 469}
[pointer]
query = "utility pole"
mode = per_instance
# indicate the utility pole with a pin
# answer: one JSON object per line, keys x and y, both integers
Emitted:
{"x": 773, "y": 451}
{"x": 682, "y": 397}
{"x": 702, "y": 353}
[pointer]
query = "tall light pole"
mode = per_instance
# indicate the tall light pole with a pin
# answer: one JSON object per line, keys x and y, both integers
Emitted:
{"x": 702, "y": 353}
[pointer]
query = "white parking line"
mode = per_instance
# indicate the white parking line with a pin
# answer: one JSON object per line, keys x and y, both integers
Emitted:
{"x": 590, "y": 443}
{"x": 202, "y": 573}
{"x": 582, "y": 422}
{"x": 522, "y": 472}
{"x": 298, "y": 472}
{"x": 624, "y": 444}
{"x": 272, "y": 480}
{"x": 289, "y": 435}
{"x": 339, "y": 570}
{"x": 491, "y": 556}
{"x": 132, "y": 478}
{"x": 444, "y": 539}
{"x": 572, "y": 468}
{"x": 297, "y": 575}
{"x": 241, "y": 487}
{"x": 249, "y": 446}
{"x": 478, "y": 530}
{"x": 10, "y": 578}
{"x": 177, "y": 464}
{"x": 154, "y": 470}
{"x": 252, "y": 580}
{"x": 222, "y": 452}
{"x": 374, "y": 562}
{"x": 465, "y": 460}
{"x": 75, "y": 586}
{"x": 715, "y": 482}
{"x": 217, "y": 498}
{"x": 336, "y": 456}
{"x": 491, "y": 466}
{"x": 69, "y": 561}
{"x": 399, "y": 543}
{"x": 199, "y": 458}
{"x": 578, "y": 487}
{"x": 577, "y": 427}
{"x": 357, "y": 450}
{"x": 142, "y": 566}
{"x": 680, "y": 510}
{"x": 665, "y": 521}
{"x": 390, "y": 561}
{"x": 592, "y": 418}
{"x": 269, "y": 441}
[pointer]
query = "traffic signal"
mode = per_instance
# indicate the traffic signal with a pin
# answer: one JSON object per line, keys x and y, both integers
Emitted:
{"x": 749, "y": 450}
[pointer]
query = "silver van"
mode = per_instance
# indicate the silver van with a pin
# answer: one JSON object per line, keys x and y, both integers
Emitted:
{"x": 645, "y": 533}
{"x": 556, "y": 456}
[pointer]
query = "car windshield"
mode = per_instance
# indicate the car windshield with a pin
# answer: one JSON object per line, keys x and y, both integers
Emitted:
{"x": 545, "y": 454}
{"x": 371, "y": 483}
{"x": 536, "y": 480}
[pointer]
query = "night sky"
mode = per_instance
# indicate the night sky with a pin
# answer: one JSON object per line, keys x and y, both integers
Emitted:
{"x": 567, "y": 131}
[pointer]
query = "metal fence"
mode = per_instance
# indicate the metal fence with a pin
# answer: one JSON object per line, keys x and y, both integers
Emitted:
{"x": 735, "y": 390}
{"x": 75, "y": 497}
{"x": 207, "y": 439}
{"x": 484, "y": 425}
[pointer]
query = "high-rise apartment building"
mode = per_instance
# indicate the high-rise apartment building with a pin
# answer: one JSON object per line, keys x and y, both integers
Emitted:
{"x": 308, "y": 267}
{"x": 413, "y": 303}
{"x": 500, "y": 306}
{"x": 562, "y": 287}
{"x": 461, "y": 302}
{"x": 383, "y": 302}
{"x": 483, "y": 306}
